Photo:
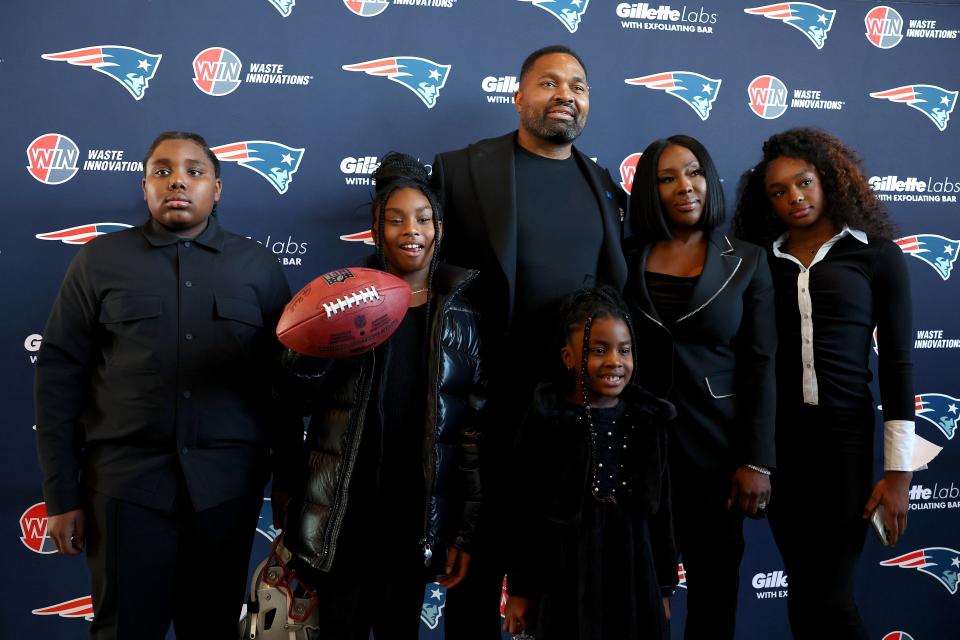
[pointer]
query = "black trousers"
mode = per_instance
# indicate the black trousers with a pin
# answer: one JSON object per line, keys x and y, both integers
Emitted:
{"x": 150, "y": 567}
{"x": 822, "y": 483}
{"x": 710, "y": 541}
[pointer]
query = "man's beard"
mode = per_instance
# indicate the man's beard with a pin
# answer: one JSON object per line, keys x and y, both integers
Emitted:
{"x": 555, "y": 131}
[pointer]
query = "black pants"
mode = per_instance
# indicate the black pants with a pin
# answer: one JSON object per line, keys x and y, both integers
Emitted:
{"x": 710, "y": 541}
{"x": 473, "y": 606}
{"x": 150, "y": 567}
{"x": 376, "y": 589}
{"x": 819, "y": 491}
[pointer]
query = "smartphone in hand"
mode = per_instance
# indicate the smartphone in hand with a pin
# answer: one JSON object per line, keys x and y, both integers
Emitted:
{"x": 879, "y": 522}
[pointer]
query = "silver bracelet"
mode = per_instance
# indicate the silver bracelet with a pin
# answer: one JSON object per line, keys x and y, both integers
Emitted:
{"x": 758, "y": 469}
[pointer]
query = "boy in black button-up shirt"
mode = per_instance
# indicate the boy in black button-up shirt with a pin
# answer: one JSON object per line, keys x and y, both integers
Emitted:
{"x": 154, "y": 414}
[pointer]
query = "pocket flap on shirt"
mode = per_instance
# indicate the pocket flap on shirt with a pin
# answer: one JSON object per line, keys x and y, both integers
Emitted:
{"x": 130, "y": 307}
{"x": 721, "y": 385}
{"x": 239, "y": 310}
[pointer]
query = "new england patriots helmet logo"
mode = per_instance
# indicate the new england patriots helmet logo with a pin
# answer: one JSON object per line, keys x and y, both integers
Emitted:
{"x": 83, "y": 233}
{"x": 424, "y": 77}
{"x": 76, "y": 608}
{"x": 940, "y": 410}
{"x": 285, "y": 7}
{"x": 569, "y": 12}
{"x": 810, "y": 19}
{"x": 132, "y": 68}
{"x": 265, "y": 523}
{"x": 434, "y": 600}
{"x": 698, "y": 91}
{"x": 365, "y": 236}
{"x": 940, "y": 562}
{"x": 937, "y": 251}
{"x": 274, "y": 161}
{"x": 934, "y": 102}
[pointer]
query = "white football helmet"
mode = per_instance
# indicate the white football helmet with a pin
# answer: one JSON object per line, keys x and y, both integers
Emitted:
{"x": 281, "y": 606}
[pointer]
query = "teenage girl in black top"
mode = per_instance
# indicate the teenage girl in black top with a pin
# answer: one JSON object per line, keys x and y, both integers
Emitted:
{"x": 837, "y": 276}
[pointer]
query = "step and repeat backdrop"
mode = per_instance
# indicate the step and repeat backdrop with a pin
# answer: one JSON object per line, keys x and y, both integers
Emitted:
{"x": 300, "y": 99}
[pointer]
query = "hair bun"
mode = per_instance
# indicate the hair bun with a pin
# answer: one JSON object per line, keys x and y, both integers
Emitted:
{"x": 399, "y": 166}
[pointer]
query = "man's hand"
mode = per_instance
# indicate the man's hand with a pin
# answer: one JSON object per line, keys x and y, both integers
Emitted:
{"x": 749, "y": 491}
{"x": 518, "y": 614}
{"x": 891, "y": 492}
{"x": 66, "y": 530}
{"x": 458, "y": 561}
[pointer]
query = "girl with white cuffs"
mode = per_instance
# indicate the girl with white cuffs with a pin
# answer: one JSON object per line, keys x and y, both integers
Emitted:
{"x": 837, "y": 276}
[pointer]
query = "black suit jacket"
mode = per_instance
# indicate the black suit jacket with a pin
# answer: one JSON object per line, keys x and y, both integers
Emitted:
{"x": 716, "y": 362}
{"x": 478, "y": 195}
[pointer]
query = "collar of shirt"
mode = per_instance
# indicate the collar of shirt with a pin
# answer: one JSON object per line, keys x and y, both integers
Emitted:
{"x": 159, "y": 236}
{"x": 824, "y": 248}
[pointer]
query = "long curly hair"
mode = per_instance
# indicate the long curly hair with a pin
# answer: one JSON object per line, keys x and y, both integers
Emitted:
{"x": 849, "y": 198}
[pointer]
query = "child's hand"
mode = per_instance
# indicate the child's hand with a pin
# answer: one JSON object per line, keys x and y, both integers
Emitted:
{"x": 458, "y": 561}
{"x": 666, "y": 607}
{"x": 518, "y": 614}
{"x": 891, "y": 492}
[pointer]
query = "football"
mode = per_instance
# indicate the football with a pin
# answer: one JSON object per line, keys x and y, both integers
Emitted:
{"x": 344, "y": 313}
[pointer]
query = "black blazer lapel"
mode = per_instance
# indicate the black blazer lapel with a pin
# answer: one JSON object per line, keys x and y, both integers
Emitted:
{"x": 612, "y": 266}
{"x": 493, "y": 172}
{"x": 719, "y": 267}
{"x": 640, "y": 293}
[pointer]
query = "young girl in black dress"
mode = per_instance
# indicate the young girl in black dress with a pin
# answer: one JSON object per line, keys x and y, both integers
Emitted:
{"x": 837, "y": 276}
{"x": 594, "y": 555}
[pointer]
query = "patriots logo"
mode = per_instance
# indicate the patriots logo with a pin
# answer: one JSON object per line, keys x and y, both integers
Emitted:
{"x": 132, "y": 68}
{"x": 274, "y": 161}
{"x": 285, "y": 7}
{"x": 934, "y": 102}
{"x": 569, "y": 12}
{"x": 940, "y": 410}
{"x": 76, "y": 608}
{"x": 366, "y": 237}
{"x": 699, "y": 92}
{"x": 812, "y": 20}
{"x": 940, "y": 562}
{"x": 434, "y": 600}
{"x": 265, "y": 523}
{"x": 937, "y": 251}
{"x": 82, "y": 234}
{"x": 424, "y": 77}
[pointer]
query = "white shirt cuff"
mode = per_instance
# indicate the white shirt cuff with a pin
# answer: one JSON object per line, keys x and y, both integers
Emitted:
{"x": 898, "y": 436}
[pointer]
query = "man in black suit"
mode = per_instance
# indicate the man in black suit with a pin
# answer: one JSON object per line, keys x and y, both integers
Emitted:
{"x": 539, "y": 219}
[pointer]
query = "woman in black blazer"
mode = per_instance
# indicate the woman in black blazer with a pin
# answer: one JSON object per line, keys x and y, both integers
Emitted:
{"x": 703, "y": 308}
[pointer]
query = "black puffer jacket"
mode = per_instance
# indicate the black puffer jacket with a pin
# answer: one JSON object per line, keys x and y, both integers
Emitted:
{"x": 337, "y": 393}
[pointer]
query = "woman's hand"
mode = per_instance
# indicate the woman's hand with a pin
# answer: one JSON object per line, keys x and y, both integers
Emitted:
{"x": 891, "y": 492}
{"x": 749, "y": 491}
{"x": 518, "y": 614}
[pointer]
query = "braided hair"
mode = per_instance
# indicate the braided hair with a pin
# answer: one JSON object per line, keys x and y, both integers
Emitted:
{"x": 577, "y": 314}
{"x": 401, "y": 171}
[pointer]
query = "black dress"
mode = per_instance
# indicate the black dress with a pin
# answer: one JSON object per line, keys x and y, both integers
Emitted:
{"x": 595, "y": 547}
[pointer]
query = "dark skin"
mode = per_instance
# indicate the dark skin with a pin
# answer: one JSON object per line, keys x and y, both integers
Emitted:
{"x": 794, "y": 190}
{"x": 683, "y": 191}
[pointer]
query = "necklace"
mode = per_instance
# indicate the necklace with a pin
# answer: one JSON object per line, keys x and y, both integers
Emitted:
{"x": 418, "y": 291}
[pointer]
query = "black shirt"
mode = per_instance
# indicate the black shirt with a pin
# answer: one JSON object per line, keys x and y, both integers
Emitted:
{"x": 855, "y": 287}
{"x": 559, "y": 238}
{"x": 669, "y": 294}
{"x": 156, "y": 361}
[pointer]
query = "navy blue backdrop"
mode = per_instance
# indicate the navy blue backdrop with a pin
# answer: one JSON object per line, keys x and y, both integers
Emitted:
{"x": 302, "y": 98}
